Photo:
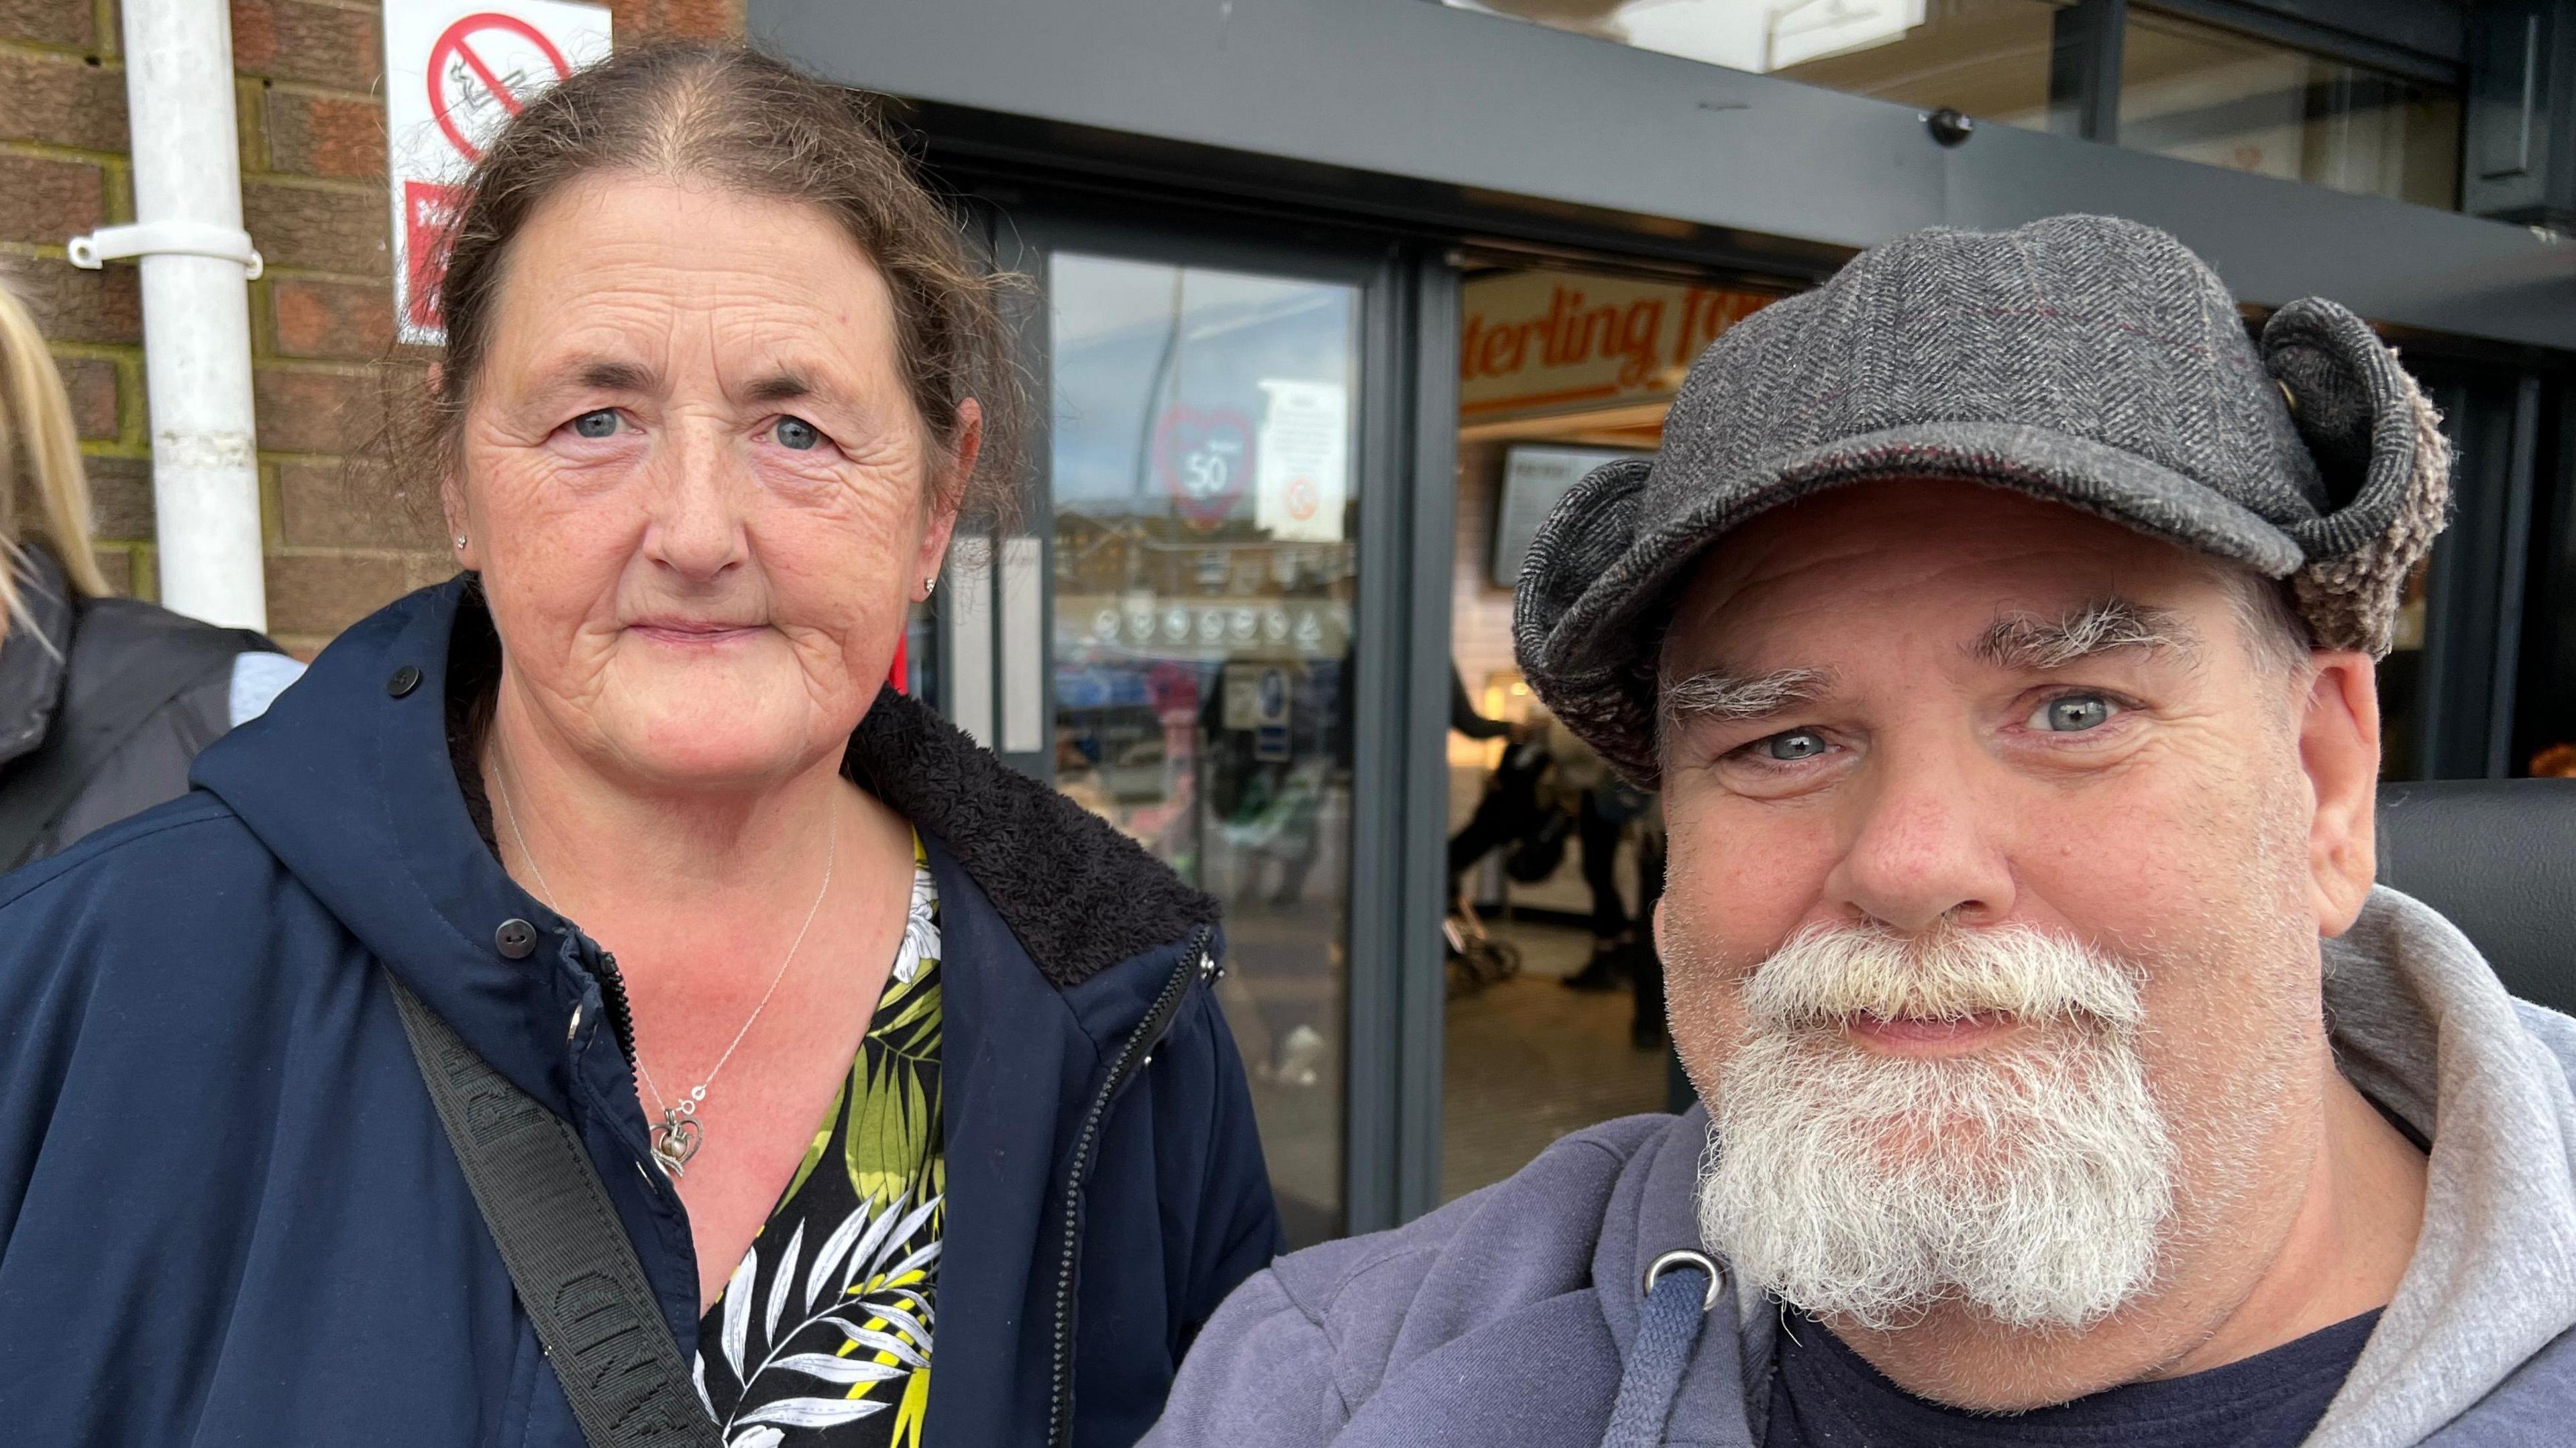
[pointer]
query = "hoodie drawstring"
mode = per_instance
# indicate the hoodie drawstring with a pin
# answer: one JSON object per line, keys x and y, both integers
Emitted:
{"x": 1681, "y": 1288}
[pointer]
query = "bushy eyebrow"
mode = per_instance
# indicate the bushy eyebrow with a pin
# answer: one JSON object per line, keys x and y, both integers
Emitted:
{"x": 601, "y": 374}
{"x": 2028, "y": 643}
{"x": 1720, "y": 694}
{"x": 780, "y": 387}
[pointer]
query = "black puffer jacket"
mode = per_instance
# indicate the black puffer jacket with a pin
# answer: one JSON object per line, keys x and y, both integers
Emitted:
{"x": 54, "y": 676}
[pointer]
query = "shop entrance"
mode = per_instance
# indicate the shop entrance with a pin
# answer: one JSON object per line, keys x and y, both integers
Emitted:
{"x": 1554, "y": 1010}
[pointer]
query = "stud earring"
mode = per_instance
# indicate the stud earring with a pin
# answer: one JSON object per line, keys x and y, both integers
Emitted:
{"x": 929, "y": 586}
{"x": 460, "y": 542}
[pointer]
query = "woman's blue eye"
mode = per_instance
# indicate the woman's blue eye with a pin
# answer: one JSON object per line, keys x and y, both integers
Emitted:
{"x": 2072, "y": 714}
{"x": 797, "y": 433}
{"x": 602, "y": 423}
{"x": 1794, "y": 745}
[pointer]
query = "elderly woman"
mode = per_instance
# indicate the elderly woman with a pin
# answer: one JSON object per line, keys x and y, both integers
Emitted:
{"x": 940, "y": 1136}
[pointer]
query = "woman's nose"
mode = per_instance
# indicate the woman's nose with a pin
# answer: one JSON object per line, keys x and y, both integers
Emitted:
{"x": 696, "y": 530}
{"x": 1925, "y": 845}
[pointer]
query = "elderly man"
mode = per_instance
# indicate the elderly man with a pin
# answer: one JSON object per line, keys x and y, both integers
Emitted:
{"x": 1997, "y": 624}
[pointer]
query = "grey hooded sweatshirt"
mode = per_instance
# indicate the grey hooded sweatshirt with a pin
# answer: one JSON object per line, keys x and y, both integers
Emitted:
{"x": 1509, "y": 1316}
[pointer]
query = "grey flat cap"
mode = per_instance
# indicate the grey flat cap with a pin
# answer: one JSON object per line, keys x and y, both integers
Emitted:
{"x": 2082, "y": 359}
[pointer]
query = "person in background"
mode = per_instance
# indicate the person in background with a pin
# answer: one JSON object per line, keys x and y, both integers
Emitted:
{"x": 1463, "y": 718}
{"x": 103, "y": 701}
{"x": 1603, "y": 809}
{"x": 887, "y": 1094}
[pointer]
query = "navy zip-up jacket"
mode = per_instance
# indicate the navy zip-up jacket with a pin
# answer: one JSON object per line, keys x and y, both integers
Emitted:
{"x": 228, "y": 1214}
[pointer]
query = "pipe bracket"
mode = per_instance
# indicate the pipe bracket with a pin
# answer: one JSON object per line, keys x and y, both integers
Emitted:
{"x": 167, "y": 238}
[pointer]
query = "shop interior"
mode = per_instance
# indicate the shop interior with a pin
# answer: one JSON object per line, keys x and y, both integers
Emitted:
{"x": 1555, "y": 1017}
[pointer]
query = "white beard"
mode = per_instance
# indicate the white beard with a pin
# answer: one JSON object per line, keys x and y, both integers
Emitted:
{"x": 2031, "y": 1183}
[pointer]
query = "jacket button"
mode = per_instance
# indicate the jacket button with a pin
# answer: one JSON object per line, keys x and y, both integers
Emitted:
{"x": 516, "y": 939}
{"x": 405, "y": 679}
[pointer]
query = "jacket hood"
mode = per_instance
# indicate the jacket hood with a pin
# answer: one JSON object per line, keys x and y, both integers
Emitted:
{"x": 2423, "y": 1027}
{"x": 347, "y": 780}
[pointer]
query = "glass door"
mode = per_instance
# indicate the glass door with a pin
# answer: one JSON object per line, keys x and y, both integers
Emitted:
{"x": 1202, "y": 462}
{"x": 1175, "y": 634}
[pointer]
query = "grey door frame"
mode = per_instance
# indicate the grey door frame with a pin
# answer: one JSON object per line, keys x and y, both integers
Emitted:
{"x": 1407, "y": 332}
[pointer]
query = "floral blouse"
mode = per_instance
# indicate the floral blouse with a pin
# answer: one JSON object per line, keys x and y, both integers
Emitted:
{"x": 822, "y": 1338}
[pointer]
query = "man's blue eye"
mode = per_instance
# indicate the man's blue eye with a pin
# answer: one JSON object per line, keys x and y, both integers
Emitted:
{"x": 2072, "y": 714}
{"x": 1796, "y": 744}
{"x": 602, "y": 423}
{"x": 797, "y": 433}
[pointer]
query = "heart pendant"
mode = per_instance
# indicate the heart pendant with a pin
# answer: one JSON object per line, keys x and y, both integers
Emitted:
{"x": 675, "y": 1141}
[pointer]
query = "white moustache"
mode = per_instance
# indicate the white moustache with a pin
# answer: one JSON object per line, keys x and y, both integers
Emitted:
{"x": 1829, "y": 974}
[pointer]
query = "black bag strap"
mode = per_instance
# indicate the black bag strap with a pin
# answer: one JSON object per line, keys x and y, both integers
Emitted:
{"x": 85, "y": 736}
{"x": 568, "y": 1256}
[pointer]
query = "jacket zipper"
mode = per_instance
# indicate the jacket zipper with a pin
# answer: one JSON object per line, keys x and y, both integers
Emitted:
{"x": 1196, "y": 963}
{"x": 612, "y": 999}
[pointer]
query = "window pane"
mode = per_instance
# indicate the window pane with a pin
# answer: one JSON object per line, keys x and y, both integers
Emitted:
{"x": 1989, "y": 58}
{"x": 1204, "y": 469}
{"x": 2206, "y": 94}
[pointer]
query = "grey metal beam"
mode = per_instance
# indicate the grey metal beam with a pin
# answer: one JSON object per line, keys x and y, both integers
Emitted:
{"x": 1534, "y": 122}
{"x": 2084, "y": 70}
{"x": 1380, "y": 924}
{"x": 1422, "y": 1021}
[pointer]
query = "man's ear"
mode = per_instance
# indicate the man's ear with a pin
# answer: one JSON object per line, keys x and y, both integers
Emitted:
{"x": 2339, "y": 753}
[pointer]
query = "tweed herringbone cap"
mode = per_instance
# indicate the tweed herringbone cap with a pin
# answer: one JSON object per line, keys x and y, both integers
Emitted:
{"x": 2086, "y": 360}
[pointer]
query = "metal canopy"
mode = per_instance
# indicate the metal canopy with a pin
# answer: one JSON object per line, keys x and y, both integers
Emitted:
{"x": 1524, "y": 121}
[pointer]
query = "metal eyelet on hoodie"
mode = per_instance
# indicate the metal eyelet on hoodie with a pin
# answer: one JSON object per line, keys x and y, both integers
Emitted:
{"x": 1685, "y": 1257}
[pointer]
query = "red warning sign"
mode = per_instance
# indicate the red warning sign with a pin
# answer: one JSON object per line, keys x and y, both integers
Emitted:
{"x": 484, "y": 69}
{"x": 428, "y": 211}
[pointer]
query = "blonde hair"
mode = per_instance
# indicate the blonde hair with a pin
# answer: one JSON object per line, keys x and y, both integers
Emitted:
{"x": 40, "y": 465}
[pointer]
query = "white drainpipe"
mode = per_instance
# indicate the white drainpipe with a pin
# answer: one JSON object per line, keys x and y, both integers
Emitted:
{"x": 196, "y": 262}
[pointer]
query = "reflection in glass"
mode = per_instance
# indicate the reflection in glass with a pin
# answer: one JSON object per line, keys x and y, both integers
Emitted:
{"x": 1203, "y": 449}
{"x": 2190, "y": 90}
{"x": 2206, "y": 94}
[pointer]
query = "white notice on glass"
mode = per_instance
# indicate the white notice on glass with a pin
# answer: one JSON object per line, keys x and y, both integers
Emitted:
{"x": 1535, "y": 480}
{"x": 1301, "y": 461}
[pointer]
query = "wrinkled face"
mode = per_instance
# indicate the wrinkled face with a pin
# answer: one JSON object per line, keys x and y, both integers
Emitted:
{"x": 695, "y": 484}
{"x": 1991, "y": 929}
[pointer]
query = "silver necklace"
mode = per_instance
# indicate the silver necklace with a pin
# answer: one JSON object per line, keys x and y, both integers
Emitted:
{"x": 681, "y": 1133}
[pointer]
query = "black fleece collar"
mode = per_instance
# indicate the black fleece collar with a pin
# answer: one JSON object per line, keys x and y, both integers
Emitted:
{"x": 1080, "y": 896}
{"x": 32, "y": 661}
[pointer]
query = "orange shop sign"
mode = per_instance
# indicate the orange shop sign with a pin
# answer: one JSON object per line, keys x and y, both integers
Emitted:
{"x": 1537, "y": 342}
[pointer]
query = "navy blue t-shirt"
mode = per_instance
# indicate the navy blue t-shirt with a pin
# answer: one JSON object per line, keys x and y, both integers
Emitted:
{"x": 1823, "y": 1395}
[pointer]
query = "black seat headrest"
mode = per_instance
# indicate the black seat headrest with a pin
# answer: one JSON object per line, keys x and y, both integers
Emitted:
{"x": 2497, "y": 857}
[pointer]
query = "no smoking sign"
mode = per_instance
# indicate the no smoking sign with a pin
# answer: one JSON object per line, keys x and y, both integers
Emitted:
{"x": 483, "y": 70}
{"x": 454, "y": 75}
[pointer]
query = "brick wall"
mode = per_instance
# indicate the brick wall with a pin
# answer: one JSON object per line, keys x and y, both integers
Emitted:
{"x": 307, "y": 76}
